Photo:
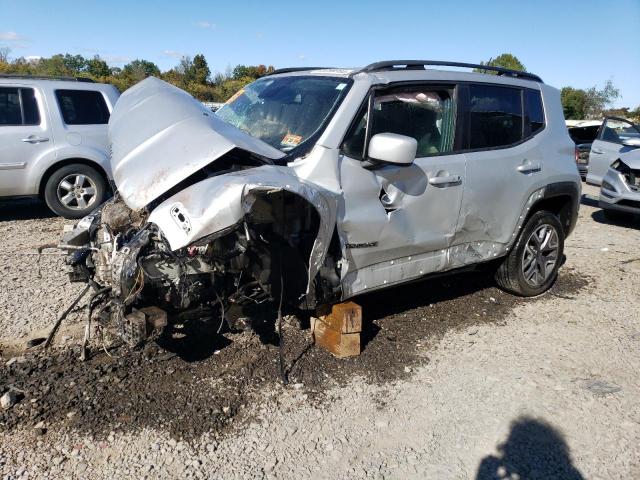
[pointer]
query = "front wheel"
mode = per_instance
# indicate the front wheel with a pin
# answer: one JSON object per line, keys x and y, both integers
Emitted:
{"x": 532, "y": 265}
{"x": 73, "y": 191}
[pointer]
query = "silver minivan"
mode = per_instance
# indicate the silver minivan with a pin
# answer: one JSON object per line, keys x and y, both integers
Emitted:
{"x": 53, "y": 141}
{"x": 312, "y": 186}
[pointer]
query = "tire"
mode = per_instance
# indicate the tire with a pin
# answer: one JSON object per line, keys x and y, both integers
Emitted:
{"x": 526, "y": 272}
{"x": 73, "y": 191}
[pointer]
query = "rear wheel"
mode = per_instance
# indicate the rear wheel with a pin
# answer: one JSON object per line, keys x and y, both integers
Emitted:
{"x": 532, "y": 265}
{"x": 73, "y": 191}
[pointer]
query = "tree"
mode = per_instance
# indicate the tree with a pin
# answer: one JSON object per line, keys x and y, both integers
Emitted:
{"x": 140, "y": 69}
{"x": 4, "y": 54}
{"x": 574, "y": 103}
{"x": 96, "y": 67}
{"x": 74, "y": 63}
{"x": 200, "y": 69}
{"x": 599, "y": 100}
{"x": 504, "y": 60}
{"x": 242, "y": 71}
{"x": 579, "y": 104}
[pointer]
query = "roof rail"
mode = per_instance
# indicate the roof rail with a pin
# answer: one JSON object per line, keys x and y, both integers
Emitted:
{"x": 295, "y": 69}
{"x": 421, "y": 64}
{"x": 47, "y": 77}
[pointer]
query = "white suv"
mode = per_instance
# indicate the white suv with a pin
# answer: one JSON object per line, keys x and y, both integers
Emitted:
{"x": 53, "y": 141}
{"x": 316, "y": 185}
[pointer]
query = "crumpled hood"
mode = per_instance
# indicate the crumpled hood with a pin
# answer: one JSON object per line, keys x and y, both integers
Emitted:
{"x": 632, "y": 159}
{"x": 160, "y": 135}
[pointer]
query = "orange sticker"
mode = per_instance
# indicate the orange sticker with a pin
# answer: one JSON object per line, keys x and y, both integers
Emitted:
{"x": 291, "y": 140}
{"x": 235, "y": 96}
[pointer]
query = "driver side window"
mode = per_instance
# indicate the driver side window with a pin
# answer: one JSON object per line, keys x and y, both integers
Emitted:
{"x": 424, "y": 113}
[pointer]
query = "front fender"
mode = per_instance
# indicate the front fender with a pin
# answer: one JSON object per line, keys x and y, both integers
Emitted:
{"x": 218, "y": 203}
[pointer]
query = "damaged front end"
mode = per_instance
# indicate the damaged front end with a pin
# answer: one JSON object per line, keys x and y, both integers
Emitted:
{"x": 203, "y": 224}
{"x": 170, "y": 263}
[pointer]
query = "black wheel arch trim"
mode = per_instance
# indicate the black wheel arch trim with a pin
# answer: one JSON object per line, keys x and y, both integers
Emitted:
{"x": 569, "y": 213}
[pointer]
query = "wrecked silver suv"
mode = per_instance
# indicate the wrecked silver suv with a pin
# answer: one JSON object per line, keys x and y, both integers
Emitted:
{"x": 310, "y": 186}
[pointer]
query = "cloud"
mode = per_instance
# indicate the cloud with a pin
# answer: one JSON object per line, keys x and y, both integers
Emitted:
{"x": 33, "y": 58}
{"x": 204, "y": 24}
{"x": 116, "y": 59}
{"x": 301, "y": 56}
{"x": 172, "y": 54}
{"x": 11, "y": 37}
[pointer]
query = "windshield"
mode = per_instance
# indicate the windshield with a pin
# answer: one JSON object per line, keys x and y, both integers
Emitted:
{"x": 284, "y": 111}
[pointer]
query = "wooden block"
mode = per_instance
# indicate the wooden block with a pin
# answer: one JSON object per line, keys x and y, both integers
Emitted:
{"x": 344, "y": 317}
{"x": 341, "y": 345}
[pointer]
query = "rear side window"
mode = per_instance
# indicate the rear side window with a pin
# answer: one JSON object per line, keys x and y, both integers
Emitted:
{"x": 495, "y": 116}
{"x": 533, "y": 111}
{"x": 82, "y": 107}
{"x": 18, "y": 106}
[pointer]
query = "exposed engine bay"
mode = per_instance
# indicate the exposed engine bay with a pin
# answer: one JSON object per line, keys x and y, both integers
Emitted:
{"x": 141, "y": 283}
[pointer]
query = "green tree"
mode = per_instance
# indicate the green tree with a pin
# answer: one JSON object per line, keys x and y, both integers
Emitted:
{"x": 251, "y": 71}
{"x": 200, "y": 69}
{"x": 574, "y": 103}
{"x": 579, "y": 104}
{"x": 504, "y": 60}
{"x": 96, "y": 67}
{"x": 599, "y": 100}
{"x": 140, "y": 69}
{"x": 74, "y": 63}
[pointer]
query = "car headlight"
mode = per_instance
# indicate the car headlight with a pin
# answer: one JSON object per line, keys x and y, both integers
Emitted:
{"x": 607, "y": 186}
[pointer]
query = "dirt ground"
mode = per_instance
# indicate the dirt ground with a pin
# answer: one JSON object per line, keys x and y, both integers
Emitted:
{"x": 457, "y": 379}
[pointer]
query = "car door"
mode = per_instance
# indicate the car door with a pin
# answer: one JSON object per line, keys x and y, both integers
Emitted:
{"x": 504, "y": 166}
{"x": 396, "y": 222}
{"x": 608, "y": 146}
{"x": 24, "y": 137}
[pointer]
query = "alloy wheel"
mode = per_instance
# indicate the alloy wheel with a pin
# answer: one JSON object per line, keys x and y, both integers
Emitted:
{"x": 540, "y": 255}
{"x": 77, "y": 191}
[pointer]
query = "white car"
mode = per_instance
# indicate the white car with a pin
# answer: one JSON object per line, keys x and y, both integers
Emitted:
{"x": 311, "y": 186}
{"x": 53, "y": 141}
{"x": 620, "y": 190}
{"x": 616, "y": 137}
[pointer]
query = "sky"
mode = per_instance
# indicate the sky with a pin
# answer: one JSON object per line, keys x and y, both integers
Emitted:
{"x": 568, "y": 43}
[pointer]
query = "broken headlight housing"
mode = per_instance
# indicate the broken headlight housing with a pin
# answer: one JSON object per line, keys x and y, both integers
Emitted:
{"x": 631, "y": 176}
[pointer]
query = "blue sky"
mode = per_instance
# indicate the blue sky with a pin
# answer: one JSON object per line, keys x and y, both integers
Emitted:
{"x": 578, "y": 43}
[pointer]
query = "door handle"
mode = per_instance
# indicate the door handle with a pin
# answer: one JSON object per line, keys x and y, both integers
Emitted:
{"x": 33, "y": 139}
{"x": 445, "y": 180}
{"x": 529, "y": 167}
{"x": 595, "y": 150}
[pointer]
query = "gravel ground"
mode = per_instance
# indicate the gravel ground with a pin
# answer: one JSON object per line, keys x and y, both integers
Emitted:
{"x": 457, "y": 380}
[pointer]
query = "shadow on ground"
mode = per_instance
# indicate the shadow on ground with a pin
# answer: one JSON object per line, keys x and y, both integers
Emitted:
{"x": 192, "y": 380}
{"x": 24, "y": 209}
{"x": 533, "y": 450}
{"x": 618, "y": 220}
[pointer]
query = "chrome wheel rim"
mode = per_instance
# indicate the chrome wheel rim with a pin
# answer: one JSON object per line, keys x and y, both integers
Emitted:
{"x": 540, "y": 255}
{"x": 77, "y": 191}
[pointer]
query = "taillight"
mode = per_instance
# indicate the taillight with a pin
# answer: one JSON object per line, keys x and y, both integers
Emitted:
{"x": 577, "y": 154}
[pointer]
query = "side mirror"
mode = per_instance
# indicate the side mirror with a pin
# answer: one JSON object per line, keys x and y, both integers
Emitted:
{"x": 631, "y": 142}
{"x": 393, "y": 148}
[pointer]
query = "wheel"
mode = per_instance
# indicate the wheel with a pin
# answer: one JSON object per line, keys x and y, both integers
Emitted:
{"x": 614, "y": 215}
{"x": 73, "y": 191}
{"x": 532, "y": 265}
